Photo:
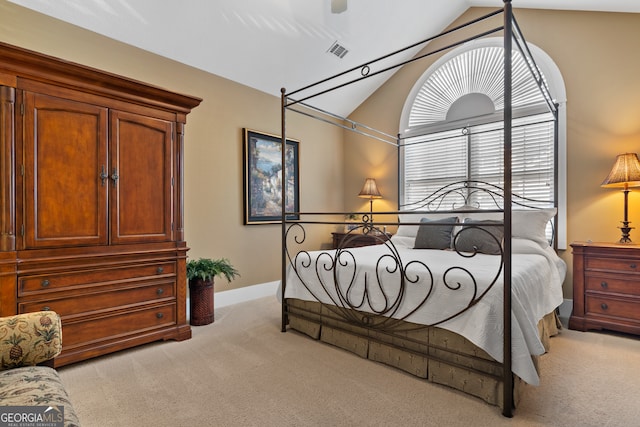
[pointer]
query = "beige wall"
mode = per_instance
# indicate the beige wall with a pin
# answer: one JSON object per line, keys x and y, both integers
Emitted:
{"x": 213, "y": 144}
{"x": 597, "y": 56}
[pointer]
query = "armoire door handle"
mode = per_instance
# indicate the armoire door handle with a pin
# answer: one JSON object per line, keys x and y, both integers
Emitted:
{"x": 115, "y": 177}
{"x": 103, "y": 175}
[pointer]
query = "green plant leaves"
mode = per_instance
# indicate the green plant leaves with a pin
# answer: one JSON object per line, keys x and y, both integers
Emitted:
{"x": 208, "y": 269}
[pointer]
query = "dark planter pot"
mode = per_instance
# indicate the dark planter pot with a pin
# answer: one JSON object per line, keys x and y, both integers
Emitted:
{"x": 201, "y": 302}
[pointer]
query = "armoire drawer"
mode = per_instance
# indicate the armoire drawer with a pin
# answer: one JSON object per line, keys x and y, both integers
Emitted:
{"x": 627, "y": 309}
{"x": 612, "y": 284}
{"x": 45, "y": 283}
{"x": 629, "y": 265}
{"x": 100, "y": 301}
{"x": 93, "y": 330}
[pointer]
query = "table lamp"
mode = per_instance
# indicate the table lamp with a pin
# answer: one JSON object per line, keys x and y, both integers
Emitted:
{"x": 624, "y": 174}
{"x": 370, "y": 191}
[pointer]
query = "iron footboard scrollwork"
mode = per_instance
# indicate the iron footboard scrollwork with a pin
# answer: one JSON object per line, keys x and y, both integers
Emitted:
{"x": 383, "y": 294}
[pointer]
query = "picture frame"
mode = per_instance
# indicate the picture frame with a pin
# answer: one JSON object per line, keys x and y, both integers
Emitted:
{"x": 262, "y": 170}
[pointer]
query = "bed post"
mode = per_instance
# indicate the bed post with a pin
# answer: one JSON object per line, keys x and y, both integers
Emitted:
{"x": 283, "y": 275}
{"x": 400, "y": 195}
{"x": 507, "y": 409}
{"x": 556, "y": 169}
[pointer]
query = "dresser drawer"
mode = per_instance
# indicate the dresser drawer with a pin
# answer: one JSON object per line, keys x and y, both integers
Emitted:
{"x": 613, "y": 265}
{"x": 611, "y": 284}
{"x": 613, "y": 307}
{"x": 29, "y": 285}
{"x": 96, "y": 301}
{"x": 93, "y": 330}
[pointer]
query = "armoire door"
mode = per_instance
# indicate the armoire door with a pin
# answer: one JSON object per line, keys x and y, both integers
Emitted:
{"x": 65, "y": 179}
{"x": 141, "y": 178}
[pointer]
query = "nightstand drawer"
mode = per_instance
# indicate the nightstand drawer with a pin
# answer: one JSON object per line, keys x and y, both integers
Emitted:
{"x": 613, "y": 265}
{"x": 611, "y": 284}
{"x": 613, "y": 307}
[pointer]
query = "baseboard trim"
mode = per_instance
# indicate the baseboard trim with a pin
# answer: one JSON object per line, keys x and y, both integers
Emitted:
{"x": 248, "y": 293}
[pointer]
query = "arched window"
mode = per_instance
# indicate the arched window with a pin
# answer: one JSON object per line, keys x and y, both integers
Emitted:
{"x": 452, "y": 127}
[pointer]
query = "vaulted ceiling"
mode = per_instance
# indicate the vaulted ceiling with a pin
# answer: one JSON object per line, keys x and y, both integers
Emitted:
{"x": 270, "y": 44}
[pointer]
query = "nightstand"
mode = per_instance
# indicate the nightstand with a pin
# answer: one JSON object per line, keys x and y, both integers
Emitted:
{"x": 606, "y": 287}
{"x": 355, "y": 240}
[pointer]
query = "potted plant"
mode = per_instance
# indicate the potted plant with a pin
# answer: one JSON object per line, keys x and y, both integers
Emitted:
{"x": 201, "y": 274}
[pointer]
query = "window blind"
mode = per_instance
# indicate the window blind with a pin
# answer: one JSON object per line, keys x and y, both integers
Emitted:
{"x": 476, "y": 153}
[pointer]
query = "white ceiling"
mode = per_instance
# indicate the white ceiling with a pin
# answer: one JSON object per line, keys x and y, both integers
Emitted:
{"x": 270, "y": 44}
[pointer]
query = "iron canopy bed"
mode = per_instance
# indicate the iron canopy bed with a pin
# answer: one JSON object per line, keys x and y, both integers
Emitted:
{"x": 460, "y": 296}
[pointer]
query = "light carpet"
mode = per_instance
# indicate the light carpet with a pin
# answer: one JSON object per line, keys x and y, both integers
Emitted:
{"x": 242, "y": 371}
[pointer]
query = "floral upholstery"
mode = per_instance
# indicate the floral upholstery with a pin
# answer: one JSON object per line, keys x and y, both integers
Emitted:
{"x": 27, "y": 340}
{"x": 30, "y": 338}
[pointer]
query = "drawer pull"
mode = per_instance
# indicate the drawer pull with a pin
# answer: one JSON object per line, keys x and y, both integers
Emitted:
{"x": 604, "y": 306}
{"x": 159, "y": 315}
{"x": 604, "y": 284}
{"x": 634, "y": 265}
{"x": 46, "y": 308}
{"x": 160, "y": 270}
{"x": 44, "y": 283}
{"x": 160, "y": 291}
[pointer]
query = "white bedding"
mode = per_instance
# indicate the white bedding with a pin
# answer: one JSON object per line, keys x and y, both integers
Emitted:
{"x": 537, "y": 276}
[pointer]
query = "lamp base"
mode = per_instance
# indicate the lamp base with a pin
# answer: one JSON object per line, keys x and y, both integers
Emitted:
{"x": 625, "y": 232}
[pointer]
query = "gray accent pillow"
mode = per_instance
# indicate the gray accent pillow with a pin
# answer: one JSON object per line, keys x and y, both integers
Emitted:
{"x": 479, "y": 239}
{"x": 435, "y": 236}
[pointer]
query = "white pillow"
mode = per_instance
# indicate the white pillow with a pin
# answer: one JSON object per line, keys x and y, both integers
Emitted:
{"x": 525, "y": 223}
{"x": 402, "y": 241}
{"x": 532, "y": 224}
{"x": 408, "y": 230}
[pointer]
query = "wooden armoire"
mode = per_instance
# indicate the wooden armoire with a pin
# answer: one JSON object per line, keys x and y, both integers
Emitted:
{"x": 91, "y": 207}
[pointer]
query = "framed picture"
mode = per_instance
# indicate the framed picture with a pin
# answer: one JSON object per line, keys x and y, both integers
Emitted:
{"x": 263, "y": 178}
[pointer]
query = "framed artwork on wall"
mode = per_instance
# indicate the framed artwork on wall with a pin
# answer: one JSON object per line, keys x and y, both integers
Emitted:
{"x": 263, "y": 178}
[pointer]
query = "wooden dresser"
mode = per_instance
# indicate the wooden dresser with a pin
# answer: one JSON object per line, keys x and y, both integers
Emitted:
{"x": 606, "y": 287}
{"x": 91, "y": 214}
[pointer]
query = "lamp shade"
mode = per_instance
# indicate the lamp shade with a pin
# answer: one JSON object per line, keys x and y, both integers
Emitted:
{"x": 625, "y": 172}
{"x": 370, "y": 190}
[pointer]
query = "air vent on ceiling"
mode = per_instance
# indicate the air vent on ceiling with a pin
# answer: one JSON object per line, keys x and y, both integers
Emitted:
{"x": 338, "y": 50}
{"x": 338, "y": 6}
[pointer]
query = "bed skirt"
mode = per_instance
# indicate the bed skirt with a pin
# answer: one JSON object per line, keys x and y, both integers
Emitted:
{"x": 435, "y": 354}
